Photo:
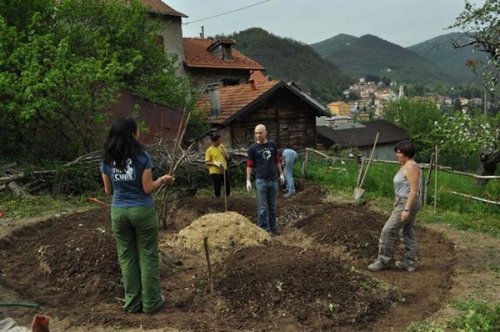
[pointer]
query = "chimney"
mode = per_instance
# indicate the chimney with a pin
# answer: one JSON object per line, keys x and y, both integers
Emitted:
{"x": 214, "y": 95}
{"x": 268, "y": 78}
{"x": 202, "y": 33}
{"x": 252, "y": 84}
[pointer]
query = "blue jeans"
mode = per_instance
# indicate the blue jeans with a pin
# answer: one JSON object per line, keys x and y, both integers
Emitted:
{"x": 267, "y": 196}
{"x": 290, "y": 159}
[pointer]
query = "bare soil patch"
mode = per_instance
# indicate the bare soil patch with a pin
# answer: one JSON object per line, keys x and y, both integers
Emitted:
{"x": 311, "y": 278}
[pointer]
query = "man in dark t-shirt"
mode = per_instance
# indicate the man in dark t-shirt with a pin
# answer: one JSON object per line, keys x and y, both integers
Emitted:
{"x": 263, "y": 157}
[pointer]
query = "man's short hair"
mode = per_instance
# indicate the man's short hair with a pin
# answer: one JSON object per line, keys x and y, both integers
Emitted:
{"x": 215, "y": 137}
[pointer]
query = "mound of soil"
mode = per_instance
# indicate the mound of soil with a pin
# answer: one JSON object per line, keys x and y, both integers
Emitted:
{"x": 311, "y": 278}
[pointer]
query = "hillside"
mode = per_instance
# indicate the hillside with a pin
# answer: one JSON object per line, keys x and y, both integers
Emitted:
{"x": 289, "y": 60}
{"x": 375, "y": 56}
{"x": 333, "y": 44}
{"x": 440, "y": 50}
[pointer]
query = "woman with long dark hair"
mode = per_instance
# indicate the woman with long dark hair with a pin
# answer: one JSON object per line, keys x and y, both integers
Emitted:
{"x": 127, "y": 175}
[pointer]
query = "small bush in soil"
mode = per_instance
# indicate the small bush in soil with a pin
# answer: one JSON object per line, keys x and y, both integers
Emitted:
{"x": 477, "y": 317}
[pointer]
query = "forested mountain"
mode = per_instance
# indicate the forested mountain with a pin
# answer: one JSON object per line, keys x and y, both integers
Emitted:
{"x": 440, "y": 50}
{"x": 333, "y": 44}
{"x": 289, "y": 60}
{"x": 370, "y": 55}
{"x": 327, "y": 68}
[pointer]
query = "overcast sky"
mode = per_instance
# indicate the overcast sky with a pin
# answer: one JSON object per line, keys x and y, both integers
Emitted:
{"x": 403, "y": 22}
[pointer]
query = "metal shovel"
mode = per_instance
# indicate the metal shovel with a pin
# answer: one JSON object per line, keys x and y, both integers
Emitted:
{"x": 359, "y": 191}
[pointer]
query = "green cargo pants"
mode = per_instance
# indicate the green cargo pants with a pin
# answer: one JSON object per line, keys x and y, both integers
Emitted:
{"x": 136, "y": 234}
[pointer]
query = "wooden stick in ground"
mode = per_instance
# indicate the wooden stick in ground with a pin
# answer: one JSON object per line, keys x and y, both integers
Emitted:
{"x": 427, "y": 181}
{"x": 207, "y": 254}
{"x": 436, "y": 180}
{"x": 225, "y": 191}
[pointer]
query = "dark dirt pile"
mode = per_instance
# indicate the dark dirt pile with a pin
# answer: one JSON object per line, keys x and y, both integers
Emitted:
{"x": 69, "y": 265}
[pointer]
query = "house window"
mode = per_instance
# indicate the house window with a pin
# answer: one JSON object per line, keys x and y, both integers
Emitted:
{"x": 229, "y": 81}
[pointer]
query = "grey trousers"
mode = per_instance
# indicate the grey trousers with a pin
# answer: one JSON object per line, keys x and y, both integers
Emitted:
{"x": 395, "y": 227}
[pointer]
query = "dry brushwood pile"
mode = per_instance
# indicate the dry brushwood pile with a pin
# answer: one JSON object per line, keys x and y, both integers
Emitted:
{"x": 60, "y": 181}
{"x": 313, "y": 277}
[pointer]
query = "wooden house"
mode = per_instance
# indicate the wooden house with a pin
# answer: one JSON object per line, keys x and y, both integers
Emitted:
{"x": 360, "y": 137}
{"x": 288, "y": 113}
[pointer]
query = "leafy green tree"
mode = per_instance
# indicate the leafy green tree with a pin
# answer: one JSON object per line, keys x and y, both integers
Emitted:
{"x": 18, "y": 13}
{"x": 417, "y": 117}
{"x": 59, "y": 75}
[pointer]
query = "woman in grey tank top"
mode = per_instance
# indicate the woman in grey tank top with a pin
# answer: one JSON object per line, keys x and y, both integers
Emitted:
{"x": 402, "y": 220}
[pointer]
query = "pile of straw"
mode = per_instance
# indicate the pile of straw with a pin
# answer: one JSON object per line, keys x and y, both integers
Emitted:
{"x": 227, "y": 231}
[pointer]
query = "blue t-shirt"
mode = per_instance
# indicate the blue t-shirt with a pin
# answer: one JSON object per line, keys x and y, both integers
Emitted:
{"x": 263, "y": 158}
{"x": 127, "y": 183}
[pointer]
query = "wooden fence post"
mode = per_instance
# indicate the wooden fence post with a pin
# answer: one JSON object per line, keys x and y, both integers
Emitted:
{"x": 436, "y": 180}
{"x": 305, "y": 164}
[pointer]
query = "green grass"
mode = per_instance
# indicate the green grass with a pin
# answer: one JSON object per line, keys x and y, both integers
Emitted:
{"x": 442, "y": 205}
{"x": 41, "y": 205}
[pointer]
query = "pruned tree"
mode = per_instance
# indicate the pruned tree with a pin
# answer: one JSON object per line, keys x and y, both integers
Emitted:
{"x": 481, "y": 27}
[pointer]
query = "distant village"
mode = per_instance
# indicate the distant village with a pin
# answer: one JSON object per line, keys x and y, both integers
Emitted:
{"x": 374, "y": 98}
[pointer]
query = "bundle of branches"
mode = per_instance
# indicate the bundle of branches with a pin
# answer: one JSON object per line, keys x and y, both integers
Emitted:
{"x": 82, "y": 174}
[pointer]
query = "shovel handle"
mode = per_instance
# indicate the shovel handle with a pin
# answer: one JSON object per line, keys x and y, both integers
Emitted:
{"x": 369, "y": 161}
{"x": 360, "y": 171}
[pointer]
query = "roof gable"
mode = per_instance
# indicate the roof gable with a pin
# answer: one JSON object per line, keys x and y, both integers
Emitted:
{"x": 197, "y": 53}
{"x": 236, "y": 100}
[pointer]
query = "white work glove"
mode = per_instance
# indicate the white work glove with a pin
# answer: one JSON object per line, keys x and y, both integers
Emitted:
{"x": 249, "y": 185}
{"x": 282, "y": 178}
{"x": 218, "y": 164}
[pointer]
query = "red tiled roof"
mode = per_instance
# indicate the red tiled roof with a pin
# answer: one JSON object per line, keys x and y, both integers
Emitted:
{"x": 156, "y": 6}
{"x": 159, "y": 7}
{"x": 235, "y": 98}
{"x": 197, "y": 56}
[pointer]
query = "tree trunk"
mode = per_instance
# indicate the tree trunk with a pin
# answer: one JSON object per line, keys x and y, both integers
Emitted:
{"x": 18, "y": 190}
{"x": 488, "y": 166}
